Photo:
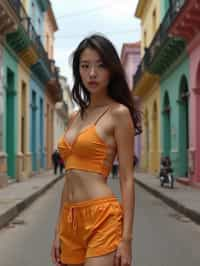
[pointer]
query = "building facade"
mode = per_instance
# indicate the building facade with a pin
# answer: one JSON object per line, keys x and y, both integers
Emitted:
{"x": 186, "y": 25}
{"x": 147, "y": 87}
{"x": 174, "y": 57}
{"x": 130, "y": 58}
{"x": 64, "y": 109}
{"x": 28, "y": 79}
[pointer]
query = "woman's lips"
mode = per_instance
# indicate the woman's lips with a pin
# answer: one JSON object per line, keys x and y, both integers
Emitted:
{"x": 93, "y": 83}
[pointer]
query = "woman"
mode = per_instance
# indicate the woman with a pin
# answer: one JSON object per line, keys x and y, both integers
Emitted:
{"x": 89, "y": 230}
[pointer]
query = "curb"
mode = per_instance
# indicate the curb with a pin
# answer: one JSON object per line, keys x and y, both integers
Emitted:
{"x": 11, "y": 213}
{"x": 192, "y": 214}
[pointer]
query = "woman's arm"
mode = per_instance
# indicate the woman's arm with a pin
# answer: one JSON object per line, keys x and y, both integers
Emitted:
{"x": 124, "y": 135}
{"x": 60, "y": 210}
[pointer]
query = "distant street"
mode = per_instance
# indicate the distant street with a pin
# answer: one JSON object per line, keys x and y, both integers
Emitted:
{"x": 162, "y": 236}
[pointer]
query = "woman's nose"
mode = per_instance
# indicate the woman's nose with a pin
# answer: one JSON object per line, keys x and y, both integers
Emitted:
{"x": 92, "y": 71}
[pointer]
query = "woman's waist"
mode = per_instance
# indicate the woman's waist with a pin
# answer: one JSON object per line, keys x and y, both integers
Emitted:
{"x": 83, "y": 186}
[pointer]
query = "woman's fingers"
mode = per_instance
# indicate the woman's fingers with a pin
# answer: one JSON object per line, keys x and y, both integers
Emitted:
{"x": 57, "y": 254}
{"x": 53, "y": 255}
{"x": 117, "y": 260}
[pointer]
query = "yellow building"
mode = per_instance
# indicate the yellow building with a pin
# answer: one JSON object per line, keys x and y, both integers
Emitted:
{"x": 23, "y": 143}
{"x": 147, "y": 87}
{"x": 53, "y": 90}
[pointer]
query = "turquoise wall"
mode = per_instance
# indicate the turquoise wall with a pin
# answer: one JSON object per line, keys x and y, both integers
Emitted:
{"x": 164, "y": 5}
{"x": 10, "y": 137}
{"x": 37, "y": 123}
{"x": 171, "y": 83}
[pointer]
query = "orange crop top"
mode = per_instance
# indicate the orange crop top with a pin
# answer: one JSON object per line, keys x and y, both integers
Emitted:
{"x": 87, "y": 152}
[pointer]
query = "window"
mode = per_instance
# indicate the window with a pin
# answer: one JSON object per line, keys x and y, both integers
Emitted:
{"x": 154, "y": 26}
{"x": 145, "y": 38}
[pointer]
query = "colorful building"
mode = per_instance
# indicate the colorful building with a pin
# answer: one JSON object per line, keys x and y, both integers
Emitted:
{"x": 174, "y": 57}
{"x": 172, "y": 65}
{"x": 64, "y": 109}
{"x": 9, "y": 23}
{"x": 53, "y": 89}
{"x": 29, "y": 80}
{"x": 185, "y": 23}
{"x": 130, "y": 58}
{"x": 147, "y": 87}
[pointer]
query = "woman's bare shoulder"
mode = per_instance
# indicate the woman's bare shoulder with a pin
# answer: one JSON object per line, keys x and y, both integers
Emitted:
{"x": 120, "y": 111}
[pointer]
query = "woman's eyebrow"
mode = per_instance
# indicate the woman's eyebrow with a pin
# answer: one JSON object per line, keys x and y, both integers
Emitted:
{"x": 88, "y": 61}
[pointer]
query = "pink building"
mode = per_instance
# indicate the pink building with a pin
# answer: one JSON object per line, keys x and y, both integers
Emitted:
{"x": 187, "y": 26}
{"x": 130, "y": 58}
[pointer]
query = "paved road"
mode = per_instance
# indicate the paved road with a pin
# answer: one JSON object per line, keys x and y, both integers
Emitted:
{"x": 162, "y": 237}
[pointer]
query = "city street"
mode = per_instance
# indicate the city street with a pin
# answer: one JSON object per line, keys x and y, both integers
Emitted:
{"x": 163, "y": 237}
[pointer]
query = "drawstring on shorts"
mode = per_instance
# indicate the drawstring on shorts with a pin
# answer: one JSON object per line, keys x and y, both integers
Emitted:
{"x": 72, "y": 218}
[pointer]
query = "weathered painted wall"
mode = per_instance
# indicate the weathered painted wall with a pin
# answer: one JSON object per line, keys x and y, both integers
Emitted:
{"x": 171, "y": 83}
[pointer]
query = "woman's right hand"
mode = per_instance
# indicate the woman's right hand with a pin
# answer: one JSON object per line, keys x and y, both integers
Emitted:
{"x": 56, "y": 251}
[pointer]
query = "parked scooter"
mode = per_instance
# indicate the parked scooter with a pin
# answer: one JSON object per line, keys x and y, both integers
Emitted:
{"x": 166, "y": 172}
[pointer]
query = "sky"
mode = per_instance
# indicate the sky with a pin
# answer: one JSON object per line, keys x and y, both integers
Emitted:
{"x": 77, "y": 19}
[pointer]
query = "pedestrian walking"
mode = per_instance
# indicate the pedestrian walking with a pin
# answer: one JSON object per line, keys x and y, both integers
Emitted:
{"x": 55, "y": 160}
{"x": 93, "y": 227}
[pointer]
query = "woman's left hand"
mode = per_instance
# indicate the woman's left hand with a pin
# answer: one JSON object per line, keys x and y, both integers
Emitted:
{"x": 123, "y": 255}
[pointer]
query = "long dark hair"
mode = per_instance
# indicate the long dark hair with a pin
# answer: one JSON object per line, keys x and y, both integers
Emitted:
{"x": 118, "y": 88}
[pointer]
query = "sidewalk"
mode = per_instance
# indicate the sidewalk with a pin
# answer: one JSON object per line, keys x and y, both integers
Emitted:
{"x": 185, "y": 199}
{"x": 17, "y": 196}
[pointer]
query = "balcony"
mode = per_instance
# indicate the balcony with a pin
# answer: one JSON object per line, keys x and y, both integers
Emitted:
{"x": 143, "y": 79}
{"x": 27, "y": 44}
{"x": 24, "y": 39}
{"x": 187, "y": 22}
{"x": 8, "y": 22}
{"x": 163, "y": 50}
{"x": 43, "y": 66}
{"x": 53, "y": 85}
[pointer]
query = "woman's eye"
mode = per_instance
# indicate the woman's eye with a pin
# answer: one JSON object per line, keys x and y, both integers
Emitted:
{"x": 101, "y": 65}
{"x": 84, "y": 66}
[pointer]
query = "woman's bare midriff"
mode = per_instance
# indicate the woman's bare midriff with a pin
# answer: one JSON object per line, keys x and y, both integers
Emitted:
{"x": 84, "y": 185}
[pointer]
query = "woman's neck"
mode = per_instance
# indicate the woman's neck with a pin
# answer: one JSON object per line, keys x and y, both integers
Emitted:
{"x": 99, "y": 101}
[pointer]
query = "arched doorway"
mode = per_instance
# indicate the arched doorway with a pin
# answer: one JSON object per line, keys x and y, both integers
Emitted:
{"x": 166, "y": 126}
{"x": 10, "y": 118}
{"x": 183, "y": 127}
{"x": 155, "y": 158}
{"x": 34, "y": 131}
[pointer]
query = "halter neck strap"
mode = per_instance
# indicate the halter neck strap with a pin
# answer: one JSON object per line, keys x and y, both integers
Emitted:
{"x": 100, "y": 116}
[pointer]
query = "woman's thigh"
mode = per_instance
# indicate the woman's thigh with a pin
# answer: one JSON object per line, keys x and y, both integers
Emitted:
{"x": 105, "y": 260}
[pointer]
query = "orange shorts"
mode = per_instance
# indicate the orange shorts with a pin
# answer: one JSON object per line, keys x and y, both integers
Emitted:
{"x": 90, "y": 228}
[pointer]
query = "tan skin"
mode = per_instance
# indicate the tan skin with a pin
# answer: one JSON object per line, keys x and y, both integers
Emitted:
{"x": 116, "y": 129}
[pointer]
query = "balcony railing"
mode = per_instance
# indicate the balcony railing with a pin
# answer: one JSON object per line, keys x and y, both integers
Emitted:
{"x": 54, "y": 70}
{"x": 142, "y": 66}
{"x": 43, "y": 54}
{"x": 30, "y": 30}
{"x": 160, "y": 37}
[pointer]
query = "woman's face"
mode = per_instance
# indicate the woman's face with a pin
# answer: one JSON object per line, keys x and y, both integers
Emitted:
{"x": 94, "y": 75}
